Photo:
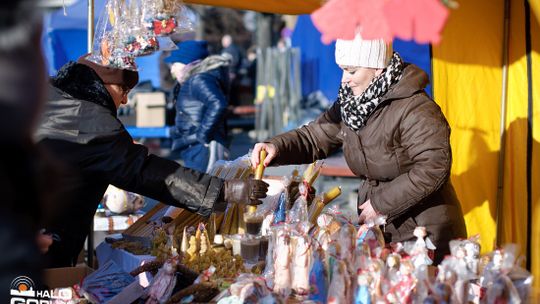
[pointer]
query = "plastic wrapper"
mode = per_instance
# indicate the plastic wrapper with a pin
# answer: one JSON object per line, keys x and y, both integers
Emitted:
{"x": 266, "y": 224}
{"x": 268, "y": 273}
{"x": 468, "y": 252}
{"x": 240, "y": 168}
{"x": 522, "y": 280}
{"x": 280, "y": 214}
{"x": 503, "y": 279}
{"x": 376, "y": 272}
{"x": 343, "y": 212}
{"x": 299, "y": 211}
{"x": 370, "y": 234}
{"x": 136, "y": 39}
{"x": 453, "y": 271}
{"x": 269, "y": 206}
{"x": 319, "y": 202}
{"x": 441, "y": 292}
{"x": 393, "y": 263}
{"x": 121, "y": 201}
{"x": 109, "y": 38}
{"x": 248, "y": 289}
{"x": 310, "y": 175}
{"x": 166, "y": 43}
{"x": 423, "y": 283}
{"x": 323, "y": 235}
{"x": 167, "y": 17}
{"x": 282, "y": 260}
{"x": 502, "y": 290}
{"x": 237, "y": 168}
{"x": 337, "y": 292}
{"x": 346, "y": 240}
{"x": 187, "y": 20}
{"x": 318, "y": 278}
{"x": 300, "y": 263}
{"x": 421, "y": 250}
{"x": 362, "y": 294}
{"x": 163, "y": 283}
{"x": 403, "y": 290}
{"x": 140, "y": 43}
{"x": 161, "y": 16}
{"x": 105, "y": 283}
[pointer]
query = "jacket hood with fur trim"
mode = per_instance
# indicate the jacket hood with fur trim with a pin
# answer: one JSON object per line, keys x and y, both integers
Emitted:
{"x": 81, "y": 82}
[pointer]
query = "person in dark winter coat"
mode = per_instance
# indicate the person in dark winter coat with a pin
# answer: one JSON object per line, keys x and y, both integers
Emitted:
{"x": 201, "y": 95}
{"x": 231, "y": 50}
{"x": 26, "y": 176}
{"x": 80, "y": 126}
{"x": 393, "y": 136}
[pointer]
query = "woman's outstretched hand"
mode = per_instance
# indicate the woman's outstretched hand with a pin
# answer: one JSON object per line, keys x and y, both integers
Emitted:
{"x": 271, "y": 151}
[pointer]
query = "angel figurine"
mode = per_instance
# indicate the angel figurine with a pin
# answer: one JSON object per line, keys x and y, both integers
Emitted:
{"x": 420, "y": 249}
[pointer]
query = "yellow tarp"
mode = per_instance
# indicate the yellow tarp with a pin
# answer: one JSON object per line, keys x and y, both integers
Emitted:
{"x": 467, "y": 85}
{"x": 467, "y": 82}
{"x": 514, "y": 224}
{"x": 290, "y": 7}
{"x": 535, "y": 241}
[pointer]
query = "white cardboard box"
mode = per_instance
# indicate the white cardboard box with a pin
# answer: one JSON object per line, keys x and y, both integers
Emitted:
{"x": 150, "y": 109}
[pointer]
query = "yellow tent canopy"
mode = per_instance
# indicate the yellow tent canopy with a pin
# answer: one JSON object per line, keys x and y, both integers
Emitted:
{"x": 288, "y": 7}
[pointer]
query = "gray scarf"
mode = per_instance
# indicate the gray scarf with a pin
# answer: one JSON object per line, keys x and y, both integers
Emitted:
{"x": 355, "y": 110}
{"x": 207, "y": 64}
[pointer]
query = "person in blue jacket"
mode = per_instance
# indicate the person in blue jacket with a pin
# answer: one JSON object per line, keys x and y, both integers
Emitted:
{"x": 201, "y": 96}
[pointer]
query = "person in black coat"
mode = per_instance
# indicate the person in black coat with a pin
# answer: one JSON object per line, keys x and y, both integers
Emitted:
{"x": 80, "y": 126}
{"x": 24, "y": 204}
{"x": 201, "y": 99}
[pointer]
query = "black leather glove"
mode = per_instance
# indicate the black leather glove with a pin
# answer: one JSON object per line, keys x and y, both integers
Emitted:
{"x": 248, "y": 191}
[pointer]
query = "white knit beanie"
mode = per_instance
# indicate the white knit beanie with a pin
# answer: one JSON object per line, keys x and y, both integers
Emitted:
{"x": 363, "y": 53}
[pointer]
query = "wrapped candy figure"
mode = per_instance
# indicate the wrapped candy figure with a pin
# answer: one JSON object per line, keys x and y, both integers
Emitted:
{"x": 420, "y": 250}
{"x": 371, "y": 234}
{"x": 164, "y": 281}
{"x": 362, "y": 295}
{"x": 141, "y": 44}
{"x": 160, "y": 16}
{"x": 393, "y": 262}
{"x": 282, "y": 277}
{"x": 496, "y": 280}
{"x": 318, "y": 279}
{"x": 280, "y": 214}
{"x": 468, "y": 254}
{"x": 323, "y": 236}
{"x": 300, "y": 265}
{"x": 404, "y": 289}
{"x": 346, "y": 241}
{"x": 376, "y": 272}
{"x": 337, "y": 292}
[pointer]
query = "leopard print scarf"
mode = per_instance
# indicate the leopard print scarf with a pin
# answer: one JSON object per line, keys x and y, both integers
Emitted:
{"x": 355, "y": 110}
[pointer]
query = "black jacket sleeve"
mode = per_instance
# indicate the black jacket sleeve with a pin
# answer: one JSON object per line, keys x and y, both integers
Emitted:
{"x": 129, "y": 166}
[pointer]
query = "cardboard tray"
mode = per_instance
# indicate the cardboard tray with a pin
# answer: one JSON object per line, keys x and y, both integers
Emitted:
{"x": 65, "y": 276}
